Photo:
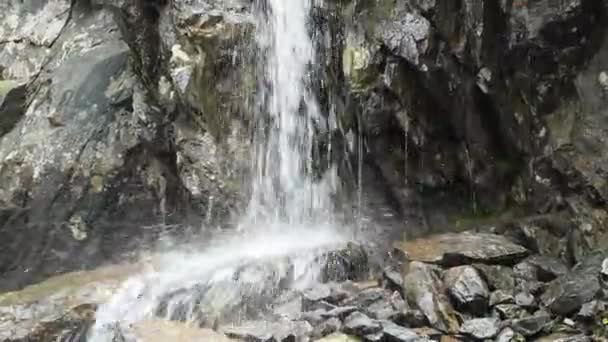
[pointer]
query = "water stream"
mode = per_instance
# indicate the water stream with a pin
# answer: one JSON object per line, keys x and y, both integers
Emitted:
{"x": 289, "y": 220}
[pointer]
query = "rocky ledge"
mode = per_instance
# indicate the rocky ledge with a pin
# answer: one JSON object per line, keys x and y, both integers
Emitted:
{"x": 433, "y": 290}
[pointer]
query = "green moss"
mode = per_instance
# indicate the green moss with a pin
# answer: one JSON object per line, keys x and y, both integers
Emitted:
{"x": 6, "y": 87}
{"x": 477, "y": 218}
{"x": 356, "y": 67}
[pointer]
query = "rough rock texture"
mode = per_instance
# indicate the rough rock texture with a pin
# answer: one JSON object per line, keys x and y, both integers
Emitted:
{"x": 468, "y": 290}
{"x": 101, "y": 140}
{"x": 424, "y": 288}
{"x": 455, "y": 249}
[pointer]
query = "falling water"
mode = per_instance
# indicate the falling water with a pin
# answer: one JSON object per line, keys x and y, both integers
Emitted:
{"x": 286, "y": 204}
{"x": 287, "y": 109}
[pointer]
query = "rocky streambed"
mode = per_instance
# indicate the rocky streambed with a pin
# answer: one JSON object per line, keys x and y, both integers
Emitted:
{"x": 470, "y": 286}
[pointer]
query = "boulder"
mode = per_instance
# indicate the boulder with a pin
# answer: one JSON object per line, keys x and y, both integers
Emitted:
{"x": 424, "y": 288}
{"x": 467, "y": 288}
{"x": 568, "y": 293}
{"x": 464, "y": 248}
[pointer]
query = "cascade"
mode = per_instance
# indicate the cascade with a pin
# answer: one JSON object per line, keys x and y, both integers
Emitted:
{"x": 285, "y": 204}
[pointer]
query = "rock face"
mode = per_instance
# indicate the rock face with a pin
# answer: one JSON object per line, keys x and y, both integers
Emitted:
{"x": 101, "y": 144}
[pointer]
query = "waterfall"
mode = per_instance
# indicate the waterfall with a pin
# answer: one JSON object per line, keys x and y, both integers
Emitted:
{"x": 288, "y": 222}
{"x": 286, "y": 109}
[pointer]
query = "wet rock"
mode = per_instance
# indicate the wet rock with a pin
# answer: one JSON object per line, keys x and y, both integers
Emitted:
{"x": 289, "y": 305}
{"x": 327, "y": 327}
{"x": 424, "y": 288}
{"x": 395, "y": 333}
{"x": 501, "y": 297}
{"x": 532, "y": 325}
{"x": 310, "y": 296}
{"x": 458, "y": 249}
{"x": 481, "y": 328}
{"x": 61, "y": 307}
{"x": 469, "y": 291}
{"x": 360, "y": 325}
{"x": 498, "y": 277}
{"x": 350, "y": 263}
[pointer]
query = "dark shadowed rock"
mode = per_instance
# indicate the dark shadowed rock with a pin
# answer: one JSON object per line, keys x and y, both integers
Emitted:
{"x": 326, "y": 327}
{"x": 567, "y": 293}
{"x": 532, "y": 325}
{"x": 458, "y": 249}
{"x": 360, "y": 325}
{"x": 393, "y": 278}
{"x": 548, "y": 268}
{"x": 411, "y": 318}
{"x": 467, "y": 288}
{"x": 424, "y": 288}
{"x": 349, "y": 263}
{"x": 481, "y": 328}
{"x": 498, "y": 277}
